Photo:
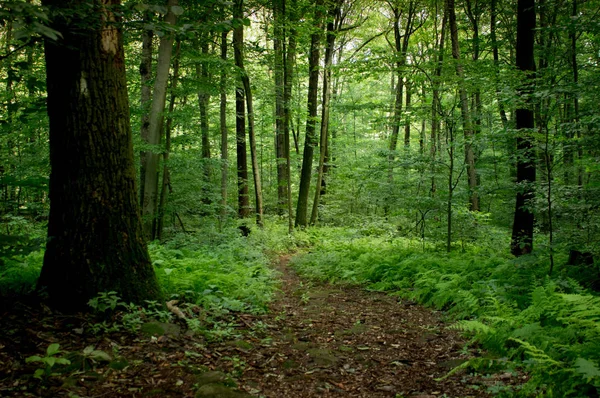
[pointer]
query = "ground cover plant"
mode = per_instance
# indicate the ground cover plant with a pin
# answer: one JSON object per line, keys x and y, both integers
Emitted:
{"x": 524, "y": 319}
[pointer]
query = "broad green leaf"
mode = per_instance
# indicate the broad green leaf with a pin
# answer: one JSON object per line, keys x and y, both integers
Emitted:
{"x": 53, "y": 349}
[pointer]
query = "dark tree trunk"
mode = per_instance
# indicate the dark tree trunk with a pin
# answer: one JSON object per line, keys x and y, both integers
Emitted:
{"x": 522, "y": 234}
{"x": 145, "y": 97}
{"x": 311, "y": 139}
{"x": 95, "y": 241}
{"x": 288, "y": 77}
{"x": 332, "y": 25}
{"x": 240, "y": 122}
{"x": 223, "y": 126}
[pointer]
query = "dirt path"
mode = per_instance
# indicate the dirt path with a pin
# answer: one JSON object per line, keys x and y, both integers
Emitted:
{"x": 325, "y": 341}
{"x": 316, "y": 341}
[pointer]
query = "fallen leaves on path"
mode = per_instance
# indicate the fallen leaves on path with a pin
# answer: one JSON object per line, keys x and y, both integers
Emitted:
{"x": 317, "y": 341}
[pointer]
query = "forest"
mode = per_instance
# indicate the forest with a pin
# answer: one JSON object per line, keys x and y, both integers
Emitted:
{"x": 277, "y": 198}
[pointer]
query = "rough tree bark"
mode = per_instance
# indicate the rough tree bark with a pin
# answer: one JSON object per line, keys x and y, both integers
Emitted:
{"x": 95, "y": 241}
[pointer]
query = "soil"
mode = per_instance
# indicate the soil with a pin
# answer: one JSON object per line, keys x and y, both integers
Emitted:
{"x": 317, "y": 340}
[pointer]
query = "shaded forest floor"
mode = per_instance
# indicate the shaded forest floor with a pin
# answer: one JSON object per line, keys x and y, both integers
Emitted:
{"x": 317, "y": 340}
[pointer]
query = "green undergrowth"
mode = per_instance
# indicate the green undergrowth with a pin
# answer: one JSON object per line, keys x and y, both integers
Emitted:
{"x": 548, "y": 327}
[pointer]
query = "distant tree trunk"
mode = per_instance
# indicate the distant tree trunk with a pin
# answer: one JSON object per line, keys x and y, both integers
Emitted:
{"x": 407, "y": 116}
{"x": 95, "y": 241}
{"x": 401, "y": 42}
{"x": 166, "y": 176}
{"x": 334, "y": 16}
{"x": 146, "y": 96}
{"x": 239, "y": 61}
{"x": 464, "y": 108}
{"x": 288, "y": 75}
{"x": 522, "y": 234}
{"x": 436, "y": 102}
{"x": 279, "y": 60}
{"x": 223, "y": 126}
{"x": 575, "y": 117}
{"x": 159, "y": 95}
{"x": 203, "y": 98}
{"x": 240, "y": 120}
{"x": 494, "y": 42}
{"x": 310, "y": 141}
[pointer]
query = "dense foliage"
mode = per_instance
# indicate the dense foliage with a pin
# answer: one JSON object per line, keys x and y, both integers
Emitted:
{"x": 415, "y": 140}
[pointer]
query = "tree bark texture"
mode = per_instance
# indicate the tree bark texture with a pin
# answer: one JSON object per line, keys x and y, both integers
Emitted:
{"x": 95, "y": 241}
{"x": 522, "y": 234}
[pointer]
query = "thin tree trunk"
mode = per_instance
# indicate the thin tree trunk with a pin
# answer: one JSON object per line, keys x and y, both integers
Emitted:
{"x": 334, "y": 16}
{"x": 522, "y": 234}
{"x": 407, "y": 117}
{"x": 496, "y": 57}
{"x": 155, "y": 127}
{"x": 288, "y": 75}
{"x": 436, "y": 103}
{"x": 240, "y": 121}
{"x": 146, "y": 97}
{"x": 166, "y": 179}
{"x": 239, "y": 62}
{"x": 223, "y": 127}
{"x": 279, "y": 61}
{"x": 310, "y": 141}
{"x": 464, "y": 108}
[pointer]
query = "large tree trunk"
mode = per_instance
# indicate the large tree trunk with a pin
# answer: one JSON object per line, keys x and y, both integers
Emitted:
{"x": 310, "y": 141}
{"x": 240, "y": 120}
{"x": 522, "y": 234}
{"x": 464, "y": 110}
{"x": 159, "y": 95}
{"x": 95, "y": 241}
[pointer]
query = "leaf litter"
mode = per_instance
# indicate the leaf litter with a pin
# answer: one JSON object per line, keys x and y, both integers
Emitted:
{"x": 317, "y": 340}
